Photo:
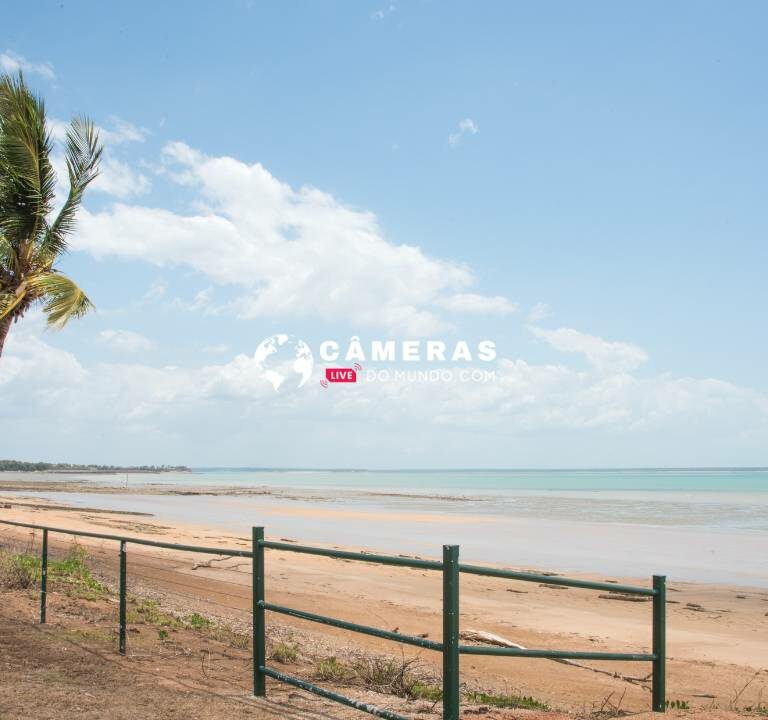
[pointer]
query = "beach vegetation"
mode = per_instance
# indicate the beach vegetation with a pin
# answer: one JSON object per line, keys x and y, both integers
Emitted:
{"x": 389, "y": 675}
{"x": 198, "y": 622}
{"x": 677, "y": 705}
{"x": 148, "y": 612}
{"x": 330, "y": 669}
{"x": 18, "y": 571}
{"x": 285, "y": 653}
{"x": 520, "y": 702}
{"x": 21, "y": 571}
{"x": 31, "y": 240}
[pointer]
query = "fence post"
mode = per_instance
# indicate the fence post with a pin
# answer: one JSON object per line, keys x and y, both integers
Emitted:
{"x": 659, "y": 643}
{"x": 259, "y": 630}
{"x": 450, "y": 632}
{"x": 122, "y": 596}
{"x": 44, "y": 576}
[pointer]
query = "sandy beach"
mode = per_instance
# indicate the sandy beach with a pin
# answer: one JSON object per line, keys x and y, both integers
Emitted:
{"x": 717, "y": 633}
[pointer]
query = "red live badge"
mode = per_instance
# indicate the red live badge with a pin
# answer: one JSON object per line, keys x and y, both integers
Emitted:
{"x": 341, "y": 375}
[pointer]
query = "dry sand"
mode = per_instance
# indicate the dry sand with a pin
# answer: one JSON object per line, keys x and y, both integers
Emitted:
{"x": 717, "y": 634}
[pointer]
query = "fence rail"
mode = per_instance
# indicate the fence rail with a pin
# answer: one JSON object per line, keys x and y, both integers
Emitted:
{"x": 449, "y": 646}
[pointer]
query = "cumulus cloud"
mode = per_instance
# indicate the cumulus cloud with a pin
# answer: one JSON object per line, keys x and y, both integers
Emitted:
{"x": 540, "y": 311}
{"x": 382, "y": 12}
{"x": 294, "y": 252}
{"x": 116, "y": 178}
{"x": 523, "y": 399}
{"x": 125, "y": 340}
{"x": 603, "y": 355}
{"x": 120, "y": 180}
{"x": 467, "y": 126}
{"x": 12, "y": 62}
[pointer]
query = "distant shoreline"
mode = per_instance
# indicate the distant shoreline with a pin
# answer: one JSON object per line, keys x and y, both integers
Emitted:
{"x": 70, "y": 468}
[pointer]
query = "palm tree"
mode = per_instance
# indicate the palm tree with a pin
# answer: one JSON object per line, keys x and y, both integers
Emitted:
{"x": 31, "y": 241}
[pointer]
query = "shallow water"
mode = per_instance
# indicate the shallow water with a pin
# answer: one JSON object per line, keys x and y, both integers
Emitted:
{"x": 698, "y": 525}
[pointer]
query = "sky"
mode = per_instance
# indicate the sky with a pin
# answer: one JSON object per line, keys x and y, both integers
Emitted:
{"x": 583, "y": 184}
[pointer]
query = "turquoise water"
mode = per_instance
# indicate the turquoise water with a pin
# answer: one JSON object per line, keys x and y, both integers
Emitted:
{"x": 480, "y": 481}
{"x": 707, "y": 525}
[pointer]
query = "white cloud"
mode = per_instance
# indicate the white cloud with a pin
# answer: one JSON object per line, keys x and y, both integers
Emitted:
{"x": 120, "y": 180}
{"x": 126, "y": 340}
{"x": 12, "y": 62}
{"x": 297, "y": 252}
{"x": 466, "y": 126}
{"x": 604, "y": 355}
{"x": 471, "y": 303}
{"x": 382, "y": 12}
{"x": 116, "y": 178}
{"x": 540, "y": 311}
{"x": 41, "y": 385}
{"x": 121, "y": 131}
{"x": 202, "y": 301}
{"x": 155, "y": 292}
{"x": 218, "y": 348}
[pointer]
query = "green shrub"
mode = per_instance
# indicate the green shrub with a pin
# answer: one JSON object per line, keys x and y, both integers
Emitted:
{"x": 19, "y": 571}
{"x": 523, "y": 702}
{"x": 198, "y": 622}
{"x": 285, "y": 653}
{"x": 330, "y": 669}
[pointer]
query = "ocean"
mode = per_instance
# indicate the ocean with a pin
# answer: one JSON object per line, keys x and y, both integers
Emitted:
{"x": 706, "y": 525}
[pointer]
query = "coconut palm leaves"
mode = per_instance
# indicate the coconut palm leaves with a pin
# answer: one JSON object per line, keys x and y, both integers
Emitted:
{"x": 30, "y": 242}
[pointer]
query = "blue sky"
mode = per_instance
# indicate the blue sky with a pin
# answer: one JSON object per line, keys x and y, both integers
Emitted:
{"x": 611, "y": 171}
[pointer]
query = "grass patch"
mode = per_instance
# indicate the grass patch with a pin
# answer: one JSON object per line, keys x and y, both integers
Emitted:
{"x": 21, "y": 571}
{"x": 18, "y": 571}
{"x": 391, "y": 676}
{"x": 425, "y": 691}
{"x": 329, "y": 669}
{"x": 521, "y": 702}
{"x": 86, "y": 635}
{"x": 74, "y": 572}
{"x": 285, "y": 653}
{"x": 147, "y": 612}
{"x": 198, "y": 622}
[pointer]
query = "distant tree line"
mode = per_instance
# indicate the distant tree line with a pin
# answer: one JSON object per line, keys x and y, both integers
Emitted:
{"x": 21, "y": 466}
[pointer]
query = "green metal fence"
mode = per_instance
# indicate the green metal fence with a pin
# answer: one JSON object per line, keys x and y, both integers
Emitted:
{"x": 449, "y": 647}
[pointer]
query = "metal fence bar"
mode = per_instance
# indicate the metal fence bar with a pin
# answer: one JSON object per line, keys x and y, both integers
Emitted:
{"x": 354, "y": 627}
{"x": 328, "y": 695}
{"x": 554, "y": 654}
{"x": 136, "y": 541}
{"x": 658, "y": 688}
{"x": 450, "y": 647}
{"x": 43, "y": 576}
{"x": 555, "y": 580}
{"x": 451, "y": 694}
{"x": 259, "y": 629}
{"x": 360, "y": 556}
{"x": 121, "y": 647}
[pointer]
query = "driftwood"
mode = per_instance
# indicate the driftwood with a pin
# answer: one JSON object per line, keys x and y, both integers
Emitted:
{"x": 207, "y": 563}
{"x": 481, "y": 636}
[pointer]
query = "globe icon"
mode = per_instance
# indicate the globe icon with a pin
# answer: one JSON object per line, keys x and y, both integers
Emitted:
{"x": 284, "y": 360}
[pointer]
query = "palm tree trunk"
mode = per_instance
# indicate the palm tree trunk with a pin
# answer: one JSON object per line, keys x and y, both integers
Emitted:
{"x": 5, "y": 326}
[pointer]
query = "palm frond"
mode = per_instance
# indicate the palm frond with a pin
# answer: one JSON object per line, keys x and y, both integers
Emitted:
{"x": 62, "y": 298}
{"x": 9, "y": 261}
{"x": 27, "y": 179}
{"x": 83, "y": 156}
{"x": 10, "y": 302}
